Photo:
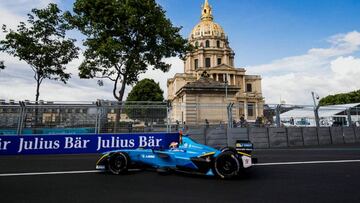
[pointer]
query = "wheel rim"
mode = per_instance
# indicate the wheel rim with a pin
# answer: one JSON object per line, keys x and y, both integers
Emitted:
{"x": 117, "y": 163}
{"x": 227, "y": 165}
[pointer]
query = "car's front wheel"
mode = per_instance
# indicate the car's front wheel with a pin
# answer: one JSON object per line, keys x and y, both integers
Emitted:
{"x": 118, "y": 163}
{"x": 226, "y": 165}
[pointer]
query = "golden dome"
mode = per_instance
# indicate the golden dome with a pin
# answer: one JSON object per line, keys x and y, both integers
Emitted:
{"x": 207, "y": 27}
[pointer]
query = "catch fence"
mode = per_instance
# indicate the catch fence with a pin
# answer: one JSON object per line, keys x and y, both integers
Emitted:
{"x": 101, "y": 117}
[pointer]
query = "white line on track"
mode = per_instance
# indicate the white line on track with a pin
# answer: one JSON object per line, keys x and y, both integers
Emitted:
{"x": 96, "y": 171}
{"x": 306, "y": 162}
{"x": 47, "y": 173}
{"x": 55, "y": 173}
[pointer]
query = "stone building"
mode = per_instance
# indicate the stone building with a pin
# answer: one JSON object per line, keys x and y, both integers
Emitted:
{"x": 210, "y": 79}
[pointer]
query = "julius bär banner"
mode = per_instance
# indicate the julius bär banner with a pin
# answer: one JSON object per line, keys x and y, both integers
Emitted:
{"x": 86, "y": 143}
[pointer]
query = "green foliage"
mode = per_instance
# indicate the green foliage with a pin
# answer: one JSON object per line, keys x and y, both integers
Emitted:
{"x": 124, "y": 38}
{"x": 42, "y": 44}
{"x": 146, "y": 90}
{"x": 344, "y": 98}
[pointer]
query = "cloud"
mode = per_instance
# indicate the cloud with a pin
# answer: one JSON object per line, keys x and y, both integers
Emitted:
{"x": 17, "y": 82}
{"x": 314, "y": 59}
{"x": 323, "y": 70}
{"x": 20, "y": 7}
{"x": 328, "y": 70}
{"x": 177, "y": 66}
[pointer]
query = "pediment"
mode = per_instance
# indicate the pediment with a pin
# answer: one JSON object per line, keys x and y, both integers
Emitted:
{"x": 222, "y": 67}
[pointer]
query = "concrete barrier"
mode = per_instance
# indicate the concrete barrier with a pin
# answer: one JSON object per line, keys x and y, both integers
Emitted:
{"x": 349, "y": 134}
{"x": 295, "y": 138}
{"x": 310, "y": 136}
{"x": 324, "y": 136}
{"x": 237, "y": 134}
{"x": 277, "y": 137}
{"x": 357, "y": 134}
{"x": 259, "y": 137}
{"x": 216, "y": 137}
{"x": 337, "y": 135}
{"x": 197, "y": 134}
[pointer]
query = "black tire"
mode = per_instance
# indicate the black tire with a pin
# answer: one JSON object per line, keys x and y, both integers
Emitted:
{"x": 231, "y": 149}
{"x": 118, "y": 163}
{"x": 226, "y": 165}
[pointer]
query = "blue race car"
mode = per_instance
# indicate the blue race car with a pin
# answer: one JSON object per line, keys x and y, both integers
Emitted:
{"x": 186, "y": 156}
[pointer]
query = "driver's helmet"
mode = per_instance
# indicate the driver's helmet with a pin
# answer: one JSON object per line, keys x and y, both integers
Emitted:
{"x": 173, "y": 145}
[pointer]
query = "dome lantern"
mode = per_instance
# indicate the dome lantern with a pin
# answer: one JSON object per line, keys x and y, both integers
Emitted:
{"x": 206, "y": 12}
{"x": 207, "y": 27}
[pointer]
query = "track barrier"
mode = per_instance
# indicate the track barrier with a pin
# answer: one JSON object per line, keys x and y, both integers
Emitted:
{"x": 83, "y": 143}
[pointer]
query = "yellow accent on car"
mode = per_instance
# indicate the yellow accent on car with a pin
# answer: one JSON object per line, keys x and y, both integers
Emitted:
{"x": 242, "y": 153}
{"x": 105, "y": 155}
{"x": 207, "y": 154}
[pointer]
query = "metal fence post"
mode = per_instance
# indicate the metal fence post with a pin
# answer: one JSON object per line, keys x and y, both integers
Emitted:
{"x": 98, "y": 117}
{"x": 168, "y": 123}
{"x": 348, "y": 111}
{"x": 316, "y": 109}
{"x": 21, "y": 118}
{"x": 278, "y": 111}
{"x": 229, "y": 114}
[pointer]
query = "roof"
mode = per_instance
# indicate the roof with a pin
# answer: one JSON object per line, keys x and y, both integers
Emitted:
{"x": 324, "y": 111}
{"x": 206, "y": 83}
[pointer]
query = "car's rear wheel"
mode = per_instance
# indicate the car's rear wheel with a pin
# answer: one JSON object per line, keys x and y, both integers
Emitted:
{"x": 226, "y": 165}
{"x": 118, "y": 163}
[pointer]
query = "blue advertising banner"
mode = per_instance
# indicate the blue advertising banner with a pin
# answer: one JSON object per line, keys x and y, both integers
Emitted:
{"x": 85, "y": 143}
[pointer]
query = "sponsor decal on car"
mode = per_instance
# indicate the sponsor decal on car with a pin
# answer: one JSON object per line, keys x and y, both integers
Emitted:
{"x": 246, "y": 161}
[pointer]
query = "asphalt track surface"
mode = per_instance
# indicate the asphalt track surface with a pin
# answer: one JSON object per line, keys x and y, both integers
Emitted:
{"x": 283, "y": 175}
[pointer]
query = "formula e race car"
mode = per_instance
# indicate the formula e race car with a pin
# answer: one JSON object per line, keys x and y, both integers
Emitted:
{"x": 186, "y": 156}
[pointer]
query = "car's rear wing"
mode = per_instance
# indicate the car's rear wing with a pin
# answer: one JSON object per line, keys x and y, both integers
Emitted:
{"x": 244, "y": 146}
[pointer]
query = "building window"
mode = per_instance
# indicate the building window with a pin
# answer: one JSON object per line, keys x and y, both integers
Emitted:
{"x": 248, "y": 87}
{"x": 219, "y": 61}
{"x": 196, "y": 63}
{"x": 250, "y": 110}
{"x": 207, "y": 44}
{"x": 218, "y": 44}
{"x": 196, "y": 44}
{"x": 207, "y": 63}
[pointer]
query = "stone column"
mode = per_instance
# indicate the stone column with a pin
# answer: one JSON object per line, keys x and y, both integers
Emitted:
{"x": 245, "y": 109}
{"x": 244, "y": 83}
{"x": 213, "y": 59}
{"x": 256, "y": 110}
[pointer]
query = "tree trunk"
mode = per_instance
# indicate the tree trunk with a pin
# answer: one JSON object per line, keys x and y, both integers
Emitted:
{"x": 37, "y": 120}
{"x": 118, "y": 110}
{"x": 37, "y": 90}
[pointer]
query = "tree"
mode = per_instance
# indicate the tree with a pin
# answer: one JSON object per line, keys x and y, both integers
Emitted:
{"x": 2, "y": 66}
{"x": 42, "y": 44}
{"x": 124, "y": 38}
{"x": 343, "y": 98}
{"x": 147, "y": 91}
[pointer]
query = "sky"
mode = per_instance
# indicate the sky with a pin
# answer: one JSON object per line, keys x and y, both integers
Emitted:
{"x": 297, "y": 46}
